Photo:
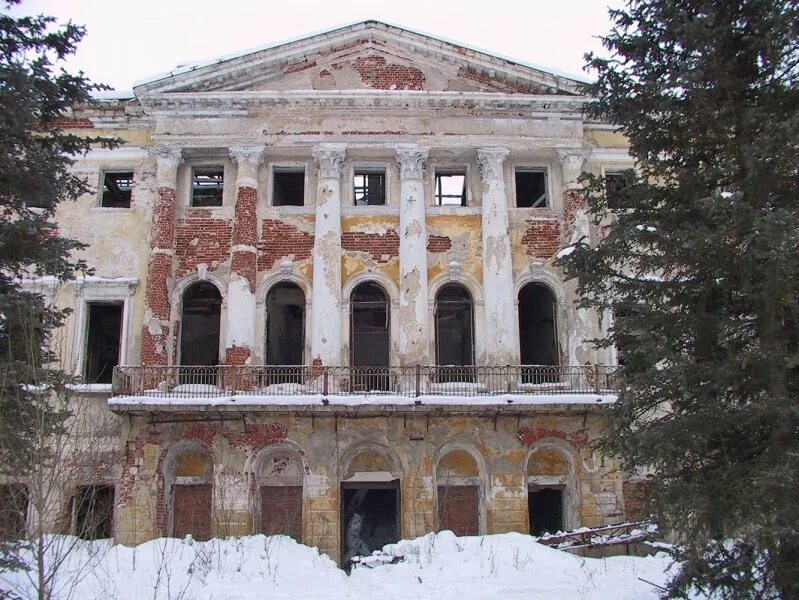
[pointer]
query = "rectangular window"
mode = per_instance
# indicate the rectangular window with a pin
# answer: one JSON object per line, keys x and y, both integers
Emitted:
{"x": 450, "y": 188}
{"x": 531, "y": 188}
{"x": 103, "y": 340}
{"x": 369, "y": 186}
{"x": 94, "y": 512}
{"x": 615, "y": 182}
{"x": 207, "y": 184}
{"x": 117, "y": 189}
{"x": 13, "y": 511}
{"x": 288, "y": 187}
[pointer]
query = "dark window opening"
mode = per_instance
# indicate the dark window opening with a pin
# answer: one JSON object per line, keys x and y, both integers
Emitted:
{"x": 454, "y": 337}
{"x": 191, "y": 511}
{"x": 207, "y": 185}
{"x": 370, "y": 337}
{"x": 281, "y": 510}
{"x": 117, "y": 190}
{"x": 538, "y": 334}
{"x": 545, "y": 506}
{"x": 531, "y": 188}
{"x": 199, "y": 325}
{"x": 13, "y": 511}
{"x": 94, "y": 512}
{"x": 370, "y": 187}
{"x": 614, "y": 186}
{"x": 285, "y": 331}
{"x": 458, "y": 509}
{"x": 288, "y": 187}
{"x": 369, "y": 518}
{"x": 450, "y": 188}
{"x": 103, "y": 341}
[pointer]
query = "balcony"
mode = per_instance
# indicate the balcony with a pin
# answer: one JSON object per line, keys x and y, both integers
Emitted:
{"x": 318, "y": 385}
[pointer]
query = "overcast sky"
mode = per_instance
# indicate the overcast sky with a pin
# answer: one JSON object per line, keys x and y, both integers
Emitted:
{"x": 134, "y": 39}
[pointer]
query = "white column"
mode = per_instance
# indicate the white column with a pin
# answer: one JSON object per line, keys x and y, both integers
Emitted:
{"x": 497, "y": 261}
{"x": 326, "y": 294}
{"x": 413, "y": 345}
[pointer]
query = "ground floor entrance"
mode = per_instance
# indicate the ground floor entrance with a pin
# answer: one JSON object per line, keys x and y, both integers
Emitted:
{"x": 369, "y": 517}
{"x": 545, "y": 506}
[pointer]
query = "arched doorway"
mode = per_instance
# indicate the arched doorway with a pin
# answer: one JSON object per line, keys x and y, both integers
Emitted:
{"x": 454, "y": 326}
{"x": 458, "y": 493}
{"x": 279, "y": 480}
{"x": 285, "y": 324}
{"x": 369, "y": 337}
{"x": 538, "y": 332}
{"x": 191, "y": 473}
{"x": 201, "y": 309}
{"x": 551, "y": 501}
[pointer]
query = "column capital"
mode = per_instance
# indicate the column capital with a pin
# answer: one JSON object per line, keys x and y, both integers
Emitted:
{"x": 328, "y": 158}
{"x": 247, "y": 154}
{"x": 571, "y": 161}
{"x": 412, "y": 161}
{"x": 167, "y": 160}
{"x": 491, "y": 161}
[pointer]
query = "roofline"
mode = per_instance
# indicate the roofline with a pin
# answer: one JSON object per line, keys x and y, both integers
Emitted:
{"x": 576, "y": 79}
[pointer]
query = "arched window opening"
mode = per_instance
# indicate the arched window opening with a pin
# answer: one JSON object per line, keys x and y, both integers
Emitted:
{"x": 285, "y": 325}
{"x": 279, "y": 483}
{"x": 550, "y": 496}
{"x": 538, "y": 339}
{"x": 191, "y": 494}
{"x": 454, "y": 326}
{"x": 458, "y": 488}
{"x": 370, "y": 337}
{"x": 199, "y": 329}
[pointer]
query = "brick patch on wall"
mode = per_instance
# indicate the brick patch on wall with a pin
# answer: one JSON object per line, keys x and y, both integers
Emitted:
{"x": 256, "y": 437}
{"x": 381, "y": 247}
{"x": 191, "y": 511}
{"x": 636, "y": 500}
{"x": 438, "y": 243}
{"x": 458, "y": 509}
{"x": 281, "y": 511}
{"x": 280, "y": 240}
{"x": 541, "y": 238}
{"x": 202, "y": 239}
{"x": 378, "y": 73}
{"x": 529, "y": 434}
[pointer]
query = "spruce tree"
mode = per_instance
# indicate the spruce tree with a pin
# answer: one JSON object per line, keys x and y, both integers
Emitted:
{"x": 700, "y": 267}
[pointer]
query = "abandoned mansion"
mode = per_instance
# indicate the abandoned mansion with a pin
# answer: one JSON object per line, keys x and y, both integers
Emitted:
{"x": 325, "y": 299}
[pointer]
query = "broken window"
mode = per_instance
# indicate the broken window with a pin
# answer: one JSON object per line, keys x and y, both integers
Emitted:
{"x": 370, "y": 336}
{"x": 450, "y": 188}
{"x": 285, "y": 325}
{"x": 117, "y": 189}
{"x": 192, "y": 473}
{"x": 615, "y": 182}
{"x": 199, "y": 325}
{"x": 369, "y": 186}
{"x": 369, "y": 518}
{"x": 531, "y": 188}
{"x": 280, "y": 484}
{"x": 545, "y": 507}
{"x": 207, "y": 185}
{"x": 94, "y": 512}
{"x": 453, "y": 314}
{"x": 288, "y": 187}
{"x": 103, "y": 340}
{"x": 13, "y": 511}
{"x": 538, "y": 339}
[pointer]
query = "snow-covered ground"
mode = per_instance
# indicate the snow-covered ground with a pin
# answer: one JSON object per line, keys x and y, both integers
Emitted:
{"x": 439, "y": 566}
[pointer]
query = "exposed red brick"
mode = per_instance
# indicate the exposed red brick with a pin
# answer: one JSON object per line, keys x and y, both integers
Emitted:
{"x": 541, "y": 238}
{"x": 438, "y": 243}
{"x": 245, "y": 233}
{"x": 458, "y": 509}
{"x": 281, "y": 511}
{"x": 69, "y": 123}
{"x": 529, "y": 434}
{"x": 204, "y": 433}
{"x": 636, "y": 500}
{"x": 299, "y": 66}
{"x": 282, "y": 240}
{"x": 258, "y": 436}
{"x": 381, "y": 247}
{"x": 162, "y": 230}
{"x": 573, "y": 201}
{"x": 237, "y": 355}
{"x": 191, "y": 511}
{"x": 378, "y": 73}
{"x": 201, "y": 238}
{"x": 501, "y": 84}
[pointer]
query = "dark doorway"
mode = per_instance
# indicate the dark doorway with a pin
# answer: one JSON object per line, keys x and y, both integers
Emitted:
{"x": 94, "y": 512}
{"x": 369, "y": 518}
{"x": 103, "y": 341}
{"x": 545, "y": 506}
{"x": 285, "y": 325}
{"x": 199, "y": 325}
{"x": 454, "y": 333}
{"x": 538, "y": 342}
{"x": 370, "y": 337}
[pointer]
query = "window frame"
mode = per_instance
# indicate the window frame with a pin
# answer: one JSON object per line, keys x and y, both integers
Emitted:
{"x": 370, "y": 169}
{"x": 288, "y": 167}
{"x": 615, "y": 171}
{"x": 209, "y": 167}
{"x": 547, "y": 183}
{"x": 101, "y": 188}
{"x": 437, "y": 172}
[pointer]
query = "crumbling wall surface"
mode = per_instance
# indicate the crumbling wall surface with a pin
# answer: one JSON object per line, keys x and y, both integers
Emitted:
{"x": 335, "y": 449}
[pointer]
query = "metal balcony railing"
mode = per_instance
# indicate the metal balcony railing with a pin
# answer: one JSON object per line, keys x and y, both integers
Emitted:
{"x": 208, "y": 382}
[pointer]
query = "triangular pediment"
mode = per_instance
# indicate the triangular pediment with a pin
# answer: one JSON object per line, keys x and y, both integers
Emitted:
{"x": 364, "y": 56}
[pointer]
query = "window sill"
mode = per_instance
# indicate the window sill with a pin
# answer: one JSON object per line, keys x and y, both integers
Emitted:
{"x": 111, "y": 209}
{"x": 454, "y": 210}
{"x": 369, "y": 210}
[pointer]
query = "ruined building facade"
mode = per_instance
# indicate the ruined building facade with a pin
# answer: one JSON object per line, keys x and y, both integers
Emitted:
{"x": 326, "y": 272}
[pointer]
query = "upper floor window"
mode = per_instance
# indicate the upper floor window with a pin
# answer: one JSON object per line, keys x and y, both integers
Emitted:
{"x": 450, "y": 188}
{"x": 615, "y": 182}
{"x": 369, "y": 187}
{"x": 288, "y": 186}
{"x": 207, "y": 185}
{"x": 531, "y": 188}
{"x": 117, "y": 189}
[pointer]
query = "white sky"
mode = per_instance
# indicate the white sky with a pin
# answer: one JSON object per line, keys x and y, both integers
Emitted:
{"x": 133, "y": 39}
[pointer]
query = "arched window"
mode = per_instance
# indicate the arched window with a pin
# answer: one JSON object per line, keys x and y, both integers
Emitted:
{"x": 538, "y": 332}
{"x": 279, "y": 482}
{"x": 199, "y": 325}
{"x": 191, "y": 475}
{"x": 458, "y": 488}
{"x": 454, "y": 326}
{"x": 285, "y": 324}
{"x": 370, "y": 337}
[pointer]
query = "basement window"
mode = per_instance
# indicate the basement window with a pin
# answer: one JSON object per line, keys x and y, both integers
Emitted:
{"x": 207, "y": 184}
{"x": 369, "y": 186}
{"x": 615, "y": 182}
{"x": 94, "y": 512}
{"x": 450, "y": 188}
{"x": 288, "y": 187}
{"x": 103, "y": 340}
{"x": 117, "y": 189}
{"x": 531, "y": 188}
